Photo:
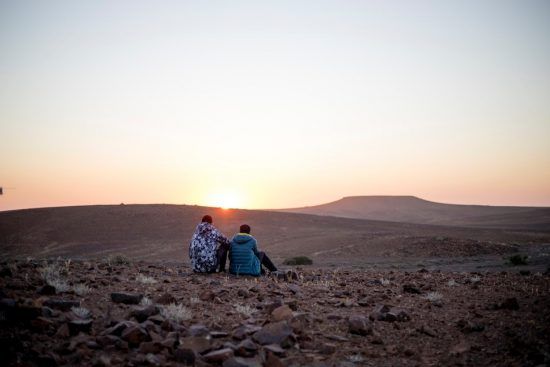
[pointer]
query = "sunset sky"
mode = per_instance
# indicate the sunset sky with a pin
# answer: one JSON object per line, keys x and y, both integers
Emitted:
{"x": 259, "y": 104}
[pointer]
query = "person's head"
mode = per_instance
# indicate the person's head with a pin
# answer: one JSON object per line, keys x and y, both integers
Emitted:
{"x": 244, "y": 228}
{"x": 207, "y": 219}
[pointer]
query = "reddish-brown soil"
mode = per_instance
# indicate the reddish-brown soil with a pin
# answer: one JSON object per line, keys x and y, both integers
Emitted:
{"x": 443, "y": 318}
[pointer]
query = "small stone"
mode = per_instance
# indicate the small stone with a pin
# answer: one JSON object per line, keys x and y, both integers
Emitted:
{"x": 218, "y": 334}
{"x": 61, "y": 304}
{"x": 143, "y": 313}
{"x": 47, "y": 290}
{"x": 135, "y": 334}
{"x": 197, "y": 344}
{"x": 275, "y": 348}
{"x": 150, "y": 347}
{"x": 243, "y": 293}
{"x": 379, "y": 312}
{"x": 274, "y": 333}
{"x": 198, "y": 330}
{"x": 359, "y": 325}
{"x": 291, "y": 275}
{"x": 63, "y": 331}
{"x": 77, "y": 326}
{"x": 126, "y": 298}
{"x": 273, "y": 361}
{"x": 428, "y": 331}
{"x": 509, "y": 304}
{"x": 153, "y": 360}
{"x": 219, "y": 355}
{"x": 411, "y": 288}
{"x": 241, "y": 362}
{"x": 246, "y": 348}
{"x": 281, "y": 313}
{"x": 327, "y": 348}
{"x": 207, "y": 296}
{"x": 185, "y": 356}
{"x": 166, "y": 299}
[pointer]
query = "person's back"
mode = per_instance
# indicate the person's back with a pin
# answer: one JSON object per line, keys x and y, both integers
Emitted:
{"x": 204, "y": 252}
{"x": 243, "y": 255}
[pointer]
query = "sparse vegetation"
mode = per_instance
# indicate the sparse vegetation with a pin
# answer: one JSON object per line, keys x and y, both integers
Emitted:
{"x": 298, "y": 260}
{"x": 50, "y": 273}
{"x": 194, "y": 300}
{"x": 146, "y": 301}
{"x": 117, "y": 259}
{"x": 384, "y": 281}
{"x": 81, "y": 289}
{"x": 434, "y": 296}
{"x": 517, "y": 259}
{"x": 176, "y": 312}
{"x": 144, "y": 279}
{"x": 81, "y": 312}
{"x": 245, "y": 310}
{"x": 356, "y": 358}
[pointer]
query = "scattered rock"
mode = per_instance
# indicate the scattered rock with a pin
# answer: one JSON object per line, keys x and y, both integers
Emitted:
{"x": 185, "y": 356}
{"x": 166, "y": 299}
{"x": 143, "y": 313}
{"x": 275, "y": 333}
{"x": 77, "y": 326}
{"x": 508, "y": 304}
{"x": 281, "y": 313}
{"x": 61, "y": 304}
{"x": 411, "y": 288}
{"x": 46, "y": 290}
{"x": 219, "y": 355}
{"x": 135, "y": 334}
{"x": 197, "y": 344}
{"x": 126, "y": 298}
{"x": 246, "y": 348}
{"x": 198, "y": 330}
{"x": 359, "y": 325}
{"x": 425, "y": 329}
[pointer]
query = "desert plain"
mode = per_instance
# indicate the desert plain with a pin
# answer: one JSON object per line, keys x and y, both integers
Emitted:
{"x": 112, "y": 286}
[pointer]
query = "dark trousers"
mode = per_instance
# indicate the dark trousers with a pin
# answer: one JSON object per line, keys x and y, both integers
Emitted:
{"x": 266, "y": 261}
{"x": 221, "y": 254}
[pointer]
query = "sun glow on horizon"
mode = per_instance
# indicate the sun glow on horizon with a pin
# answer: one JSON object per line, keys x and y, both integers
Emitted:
{"x": 225, "y": 200}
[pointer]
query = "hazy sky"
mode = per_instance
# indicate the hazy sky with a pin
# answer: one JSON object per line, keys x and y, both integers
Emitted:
{"x": 274, "y": 104}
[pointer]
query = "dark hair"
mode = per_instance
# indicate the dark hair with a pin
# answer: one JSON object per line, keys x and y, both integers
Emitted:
{"x": 207, "y": 219}
{"x": 245, "y": 228}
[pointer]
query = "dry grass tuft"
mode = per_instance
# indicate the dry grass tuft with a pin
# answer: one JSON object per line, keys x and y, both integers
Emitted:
{"x": 176, "y": 312}
{"x": 81, "y": 312}
{"x": 81, "y": 289}
{"x": 245, "y": 310}
{"x": 144, "y": 279}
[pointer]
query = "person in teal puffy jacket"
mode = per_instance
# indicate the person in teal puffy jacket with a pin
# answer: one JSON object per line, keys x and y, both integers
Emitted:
{"x": 244, "y": 257}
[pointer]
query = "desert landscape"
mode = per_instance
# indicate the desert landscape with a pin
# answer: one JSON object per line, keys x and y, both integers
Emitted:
{"x": 389, "y": 158}
{"x": 112, "y": 286}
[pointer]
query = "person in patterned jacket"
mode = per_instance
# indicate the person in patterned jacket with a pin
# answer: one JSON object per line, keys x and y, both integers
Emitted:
{"x": 208, "y": 248}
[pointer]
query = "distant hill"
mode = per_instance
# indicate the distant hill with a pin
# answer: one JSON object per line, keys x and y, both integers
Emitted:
{"x": 411, "y": 209}
{"x": 162, "y": 232}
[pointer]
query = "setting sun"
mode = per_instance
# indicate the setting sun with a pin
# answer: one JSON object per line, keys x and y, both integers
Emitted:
{"x": 224, "y": 200}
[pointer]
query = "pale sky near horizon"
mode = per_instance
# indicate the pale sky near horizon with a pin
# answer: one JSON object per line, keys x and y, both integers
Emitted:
{"x": 260, "y": 104}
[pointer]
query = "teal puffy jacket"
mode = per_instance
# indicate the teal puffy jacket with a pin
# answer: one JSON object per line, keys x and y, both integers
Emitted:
{"x": 243, "y": 255}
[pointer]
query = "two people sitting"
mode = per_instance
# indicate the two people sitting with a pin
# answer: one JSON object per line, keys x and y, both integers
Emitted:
{"x": 209, "y": 250}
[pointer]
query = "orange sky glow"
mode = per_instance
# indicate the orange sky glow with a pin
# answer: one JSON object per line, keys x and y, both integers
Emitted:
{"x": 274, "y": 104}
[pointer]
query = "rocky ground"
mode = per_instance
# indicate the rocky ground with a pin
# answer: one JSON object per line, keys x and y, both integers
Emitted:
{"x": 114, "y": 313}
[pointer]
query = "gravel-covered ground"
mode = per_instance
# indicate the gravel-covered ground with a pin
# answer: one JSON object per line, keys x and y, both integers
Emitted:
{"x": 143, "y": 313}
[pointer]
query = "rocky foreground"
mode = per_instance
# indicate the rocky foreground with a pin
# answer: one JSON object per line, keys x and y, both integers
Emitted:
{"x": 115, "y": 313}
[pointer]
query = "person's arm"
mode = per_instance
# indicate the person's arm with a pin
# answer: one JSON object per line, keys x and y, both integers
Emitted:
{"x": 255, "y": 250}
{"x": 220, "y": 237}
